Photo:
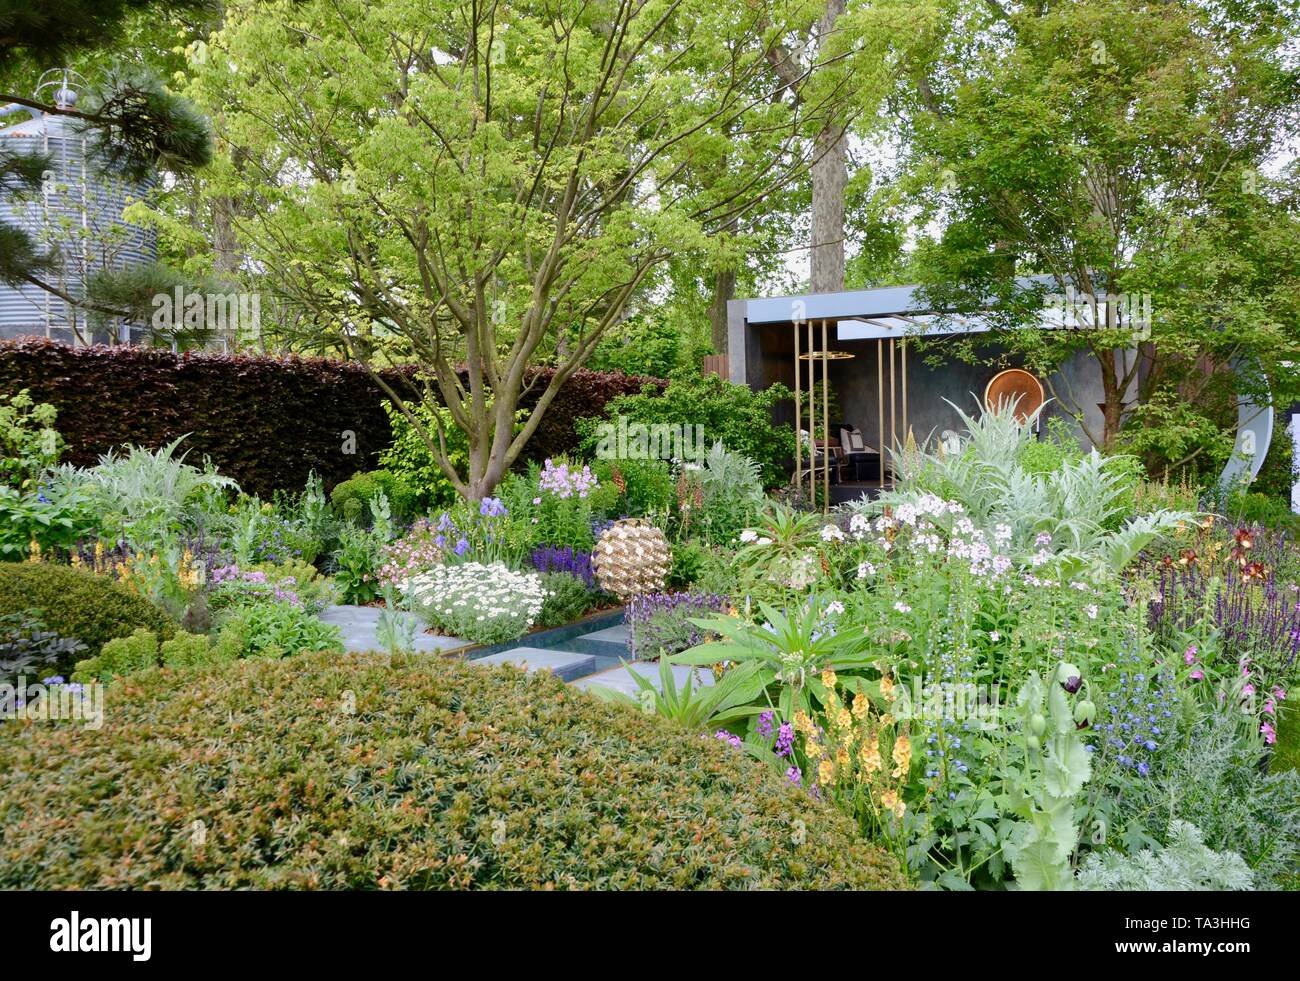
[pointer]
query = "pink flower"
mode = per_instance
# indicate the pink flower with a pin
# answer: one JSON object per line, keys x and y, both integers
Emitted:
{"x": 1279, "y": 694}
{"x": 1189, "y": 655}
{"x": 1270, "y": 734}
{"x": 1248, "y": 690}
{"x": 1270, "y": 706}
{"x": 1198, "y": 674}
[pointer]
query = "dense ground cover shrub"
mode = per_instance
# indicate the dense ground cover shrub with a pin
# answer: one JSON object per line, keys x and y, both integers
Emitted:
{"x": 77, "y": 604}
{"x": 349, "y": 773}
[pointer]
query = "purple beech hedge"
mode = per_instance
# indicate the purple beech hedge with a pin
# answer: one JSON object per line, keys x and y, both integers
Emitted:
{"x": 265, "y": 420}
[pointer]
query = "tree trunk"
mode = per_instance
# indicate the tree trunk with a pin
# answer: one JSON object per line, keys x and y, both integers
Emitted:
{"x": 724, "y": 288}
{"x": 830, "y": 177}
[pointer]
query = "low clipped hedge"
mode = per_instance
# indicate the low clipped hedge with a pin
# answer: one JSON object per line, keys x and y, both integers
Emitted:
{"x": 347, "y": 772}
{"x": 78, "y": 604}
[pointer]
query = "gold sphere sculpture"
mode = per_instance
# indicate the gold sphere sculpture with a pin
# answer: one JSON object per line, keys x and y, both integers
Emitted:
{"x": 631, "y": 557}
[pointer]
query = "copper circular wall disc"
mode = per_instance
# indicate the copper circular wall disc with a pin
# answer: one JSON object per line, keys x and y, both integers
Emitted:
{"x": 1015, "y": 385}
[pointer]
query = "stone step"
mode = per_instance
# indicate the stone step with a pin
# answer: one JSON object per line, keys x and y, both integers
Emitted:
{"x": 358, "y": 626}
{"x": 565, "y": 665}
{"x": 610, "y": 642}
{"x": 620, "y": 678}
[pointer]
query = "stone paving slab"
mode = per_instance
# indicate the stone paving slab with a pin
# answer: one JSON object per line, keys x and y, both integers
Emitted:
{"x": 620, "y": 679}
{"x": 610, "y": 635}
{"x": 357, "y": 624}
{"x": 565, "y": 665}
{"x": 607, "y": 643}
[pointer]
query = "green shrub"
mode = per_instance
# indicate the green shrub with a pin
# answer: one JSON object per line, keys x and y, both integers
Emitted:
{"x": 688, "y": 564}
{"x": 349, "y": 773}
{"x": 78, "y": 604}
{"x": 1260, "y": 509}
{"x": 734, "y": 414}
{"x": 351, "y": 498}
{"x": 120, "y": 656}
{"x": 647, "y": 485}
{"x": 567, "y": 598}
{"x": 275, "y": 630}
{"x": 187, "y": 650}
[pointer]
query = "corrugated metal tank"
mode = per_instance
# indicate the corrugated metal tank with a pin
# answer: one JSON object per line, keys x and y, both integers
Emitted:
{"x": 77, "y": 214}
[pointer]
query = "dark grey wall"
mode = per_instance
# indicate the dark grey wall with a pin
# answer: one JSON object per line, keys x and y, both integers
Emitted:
{"x": 769, "y": 357}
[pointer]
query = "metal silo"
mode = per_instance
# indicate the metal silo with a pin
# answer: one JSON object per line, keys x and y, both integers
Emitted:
{"x": 77, "y": 215}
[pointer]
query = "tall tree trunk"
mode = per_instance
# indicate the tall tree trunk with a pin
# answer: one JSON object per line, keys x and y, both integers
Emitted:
{"x": 724, "y": 289}
{"x": 830, "y": 176}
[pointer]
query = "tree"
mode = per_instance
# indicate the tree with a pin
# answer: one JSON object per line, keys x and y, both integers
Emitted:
{"x": 483, "y": 187}
{"x": 136, "y": 125}
{"x": 1119, "y": 148}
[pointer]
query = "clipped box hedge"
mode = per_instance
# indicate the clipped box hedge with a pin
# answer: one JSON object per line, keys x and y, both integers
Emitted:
{"x": 77, "y": 604}
{"x": 267, "y": 421}
{"x": 334, "y": 772}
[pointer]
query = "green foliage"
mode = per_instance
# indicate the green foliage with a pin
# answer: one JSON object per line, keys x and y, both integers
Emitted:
{"x": 732, "y": 489}
{"x": 187, "y": 650}
{"x": 356, "y": 564}
{"x": 689, "y": 558}
{"x": 29, "y": 441}
{"x": 351, "y": 498}
{"x": 120, "y": 656}
{"x": 636, "y": 783}
{"x": 644, "y": 345}
{"x": 1057, "y": 451}
{"x": 1185, "y": 864}
{"x": 147, "y": 494}
{"x": 1217, "y": 781}
{"x": 791, "y": 648}
{"x": 275, "y": 630}
{"x": 1042, "y": 842}
{"x": 411, "y": 463}
{"x": 735, "y": 415}
{"x": 729, "y": 700}
{"x": 257, "y": 532}
{"x": 78, "y": 604}
{"x": 50, "y": 518}
{"x": 567, "y": 599}
{"x": 396, "y": 630}
{"x": 647, "y": 485}
{"x": 1260, "y": 509}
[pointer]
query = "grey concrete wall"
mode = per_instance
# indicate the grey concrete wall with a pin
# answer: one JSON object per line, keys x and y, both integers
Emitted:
{"x": 768, "y": 356}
